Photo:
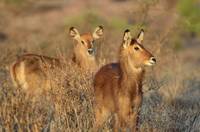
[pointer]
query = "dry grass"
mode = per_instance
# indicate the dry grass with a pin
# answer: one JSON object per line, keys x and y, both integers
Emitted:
{"x": 68, "y": 105}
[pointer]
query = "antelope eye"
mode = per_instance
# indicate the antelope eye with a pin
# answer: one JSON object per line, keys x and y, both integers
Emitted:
{"x": 136, "y": 48}
{"x": 82, "y": 42}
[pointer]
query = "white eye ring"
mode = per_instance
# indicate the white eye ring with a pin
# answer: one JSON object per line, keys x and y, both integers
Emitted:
{"x": 92, "y": 42}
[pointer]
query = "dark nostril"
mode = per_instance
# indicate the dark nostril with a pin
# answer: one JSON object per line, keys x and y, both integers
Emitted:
{"x": 90, "y": 51}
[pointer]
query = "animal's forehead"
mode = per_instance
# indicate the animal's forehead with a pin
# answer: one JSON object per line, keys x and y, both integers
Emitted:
{"x": 87, "y": 37}
{"x": 135, "y": 42}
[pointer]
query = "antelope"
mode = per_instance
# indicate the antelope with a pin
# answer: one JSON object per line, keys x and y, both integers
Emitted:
{"x": 29, "y": 71}
{"x": 118, "y": 86}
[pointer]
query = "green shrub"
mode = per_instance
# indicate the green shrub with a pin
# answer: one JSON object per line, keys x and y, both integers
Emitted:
{"x": 87, "y": 18}
{"x": 190, "y": 12}
{"x": 15, "y": 2}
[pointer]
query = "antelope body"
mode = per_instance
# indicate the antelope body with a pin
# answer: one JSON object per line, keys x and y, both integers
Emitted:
{"x": 30, "y": 70}
{"x": 118, "y": 86}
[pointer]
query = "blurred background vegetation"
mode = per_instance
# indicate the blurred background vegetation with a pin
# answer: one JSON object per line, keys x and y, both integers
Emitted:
{"x": 189, "y": 11}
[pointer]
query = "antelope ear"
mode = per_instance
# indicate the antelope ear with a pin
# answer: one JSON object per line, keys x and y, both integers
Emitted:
{"x": 98, "y": 32}
{"x": 127, "y": 38}
{"x": 73, "y": 32}
{"x": 140, "y": 36}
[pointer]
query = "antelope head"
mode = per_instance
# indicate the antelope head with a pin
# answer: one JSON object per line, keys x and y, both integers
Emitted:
{"x": 85, "y": 42}
{"x": 138, "y": 56}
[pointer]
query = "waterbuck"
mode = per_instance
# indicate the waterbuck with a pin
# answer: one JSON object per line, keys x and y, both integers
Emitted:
{"x": 29, "y": 71}
{"x": 118, "y": 86}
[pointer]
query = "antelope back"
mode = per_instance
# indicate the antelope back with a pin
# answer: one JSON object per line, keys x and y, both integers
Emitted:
{"x": 31, "y": 72}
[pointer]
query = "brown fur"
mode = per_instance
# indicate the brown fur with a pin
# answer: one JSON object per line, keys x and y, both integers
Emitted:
{"x": 30, "y": 71}
{"x": 118, "y": 86}
{"x": 81, "y": 56}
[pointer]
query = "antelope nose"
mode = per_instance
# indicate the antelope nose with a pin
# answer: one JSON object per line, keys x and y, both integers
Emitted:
{"x": 90, "y": 51}
{"x": 153, "y": 59}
